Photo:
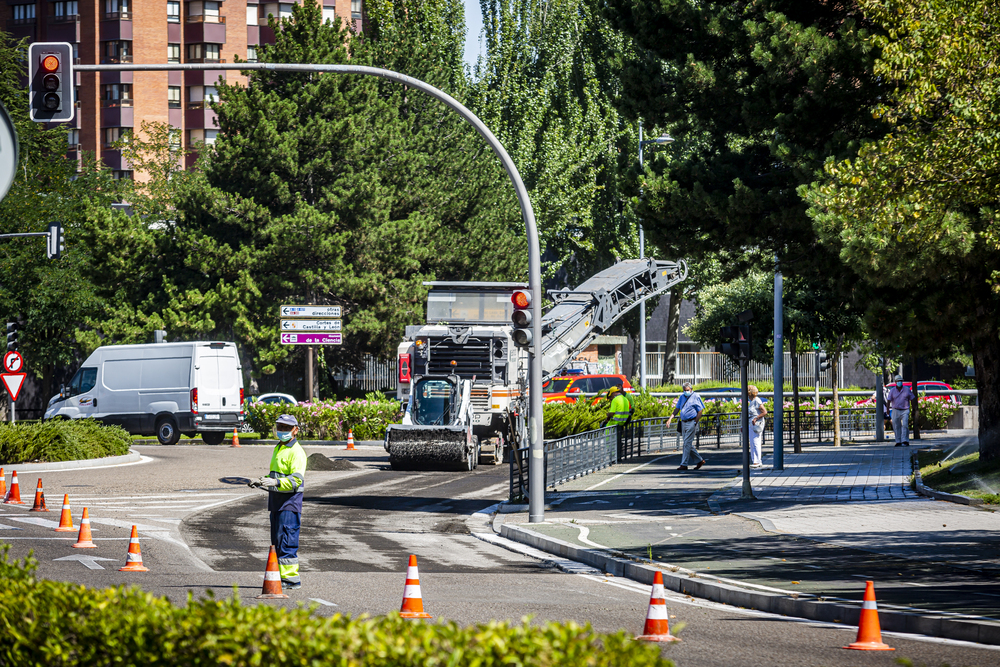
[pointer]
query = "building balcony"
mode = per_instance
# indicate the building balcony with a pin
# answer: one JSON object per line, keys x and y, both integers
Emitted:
{"x": 202, "y": 18}
{"x": 116, "y": 61}
{"x": 116, "y": 16}
{"x": 16, "y": 23}
{"x": 63, "y": 31}
{"x": 205, "y": 60}
{"x": 115, "y": 31}
{"x": 208, "y": 33}
{"x": 65, "y": 18}
{"x": 109, "y": 104}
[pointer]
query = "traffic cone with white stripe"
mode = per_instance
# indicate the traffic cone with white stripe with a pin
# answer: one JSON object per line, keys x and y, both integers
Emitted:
{"x": 13, "y": 496}
{"x": 413, "y": 603}
{"x": 39, "y": 505}
{"x": 350, "y": 438}
{"x": 84, "y": 540}
{"x": 869, "y": 629}
{"x": 272, "y": 578}
{"x": 65, "y": 519}
{"x": 3, "y": 484}
{"x": 133, "y": 560}
{"x": 657, "y": 628}
{"x": 236, "y": 439}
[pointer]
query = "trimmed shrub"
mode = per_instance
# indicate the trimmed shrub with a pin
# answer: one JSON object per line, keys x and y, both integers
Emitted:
{"x": 61, "y": 440}
{"x": 934, "y": 412}
{"x": 60, "y": 624}
{"x": 330, "y": 420}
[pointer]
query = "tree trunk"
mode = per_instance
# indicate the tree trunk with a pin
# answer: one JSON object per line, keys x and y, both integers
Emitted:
{"x": 793, "y": 346}
{"x": 915, "y": 401}
{"x": 632, "y": 365}
{"x": 834, "y": 367}
{"x": 986, "y": 360}
{"x": 673, "y": 335}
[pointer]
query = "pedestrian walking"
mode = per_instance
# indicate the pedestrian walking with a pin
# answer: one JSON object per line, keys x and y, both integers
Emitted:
{"x": 758, "y": 414}
{"x": 689, "y": 407}
{"x": 284, "y": 484}
{"x": 899, "y": 403}
{"x": 618, "y": 411}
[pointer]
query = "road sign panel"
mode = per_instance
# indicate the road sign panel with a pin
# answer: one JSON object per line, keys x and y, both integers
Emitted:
{"x": 13, "y": 362}
{"x": 13, "y": 382}
{"x": 311, "y": 325}
{"x": 311, "y": 339}
{"x": 332, "y": 312}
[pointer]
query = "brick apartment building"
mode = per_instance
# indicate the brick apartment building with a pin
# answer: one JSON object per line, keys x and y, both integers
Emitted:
{"x": 151, "y": 31}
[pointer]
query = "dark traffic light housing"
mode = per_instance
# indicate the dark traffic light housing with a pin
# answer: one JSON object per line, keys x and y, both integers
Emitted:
{"x": 55, "y": 244}
{"x": 824, "y": 360}
{"x": 13, "y": 329}
{"x": 736, "y": 342}
{"x": 521, "y": 318}
{"x": 51, "y": 82}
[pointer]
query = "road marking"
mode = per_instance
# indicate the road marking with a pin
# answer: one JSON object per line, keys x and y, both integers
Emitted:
{"x": 584, "y": 531}
{"x": 323, "y": 602}
{"x": 611, "y": 479}
{"x": 86, "y": 561}
{"x": 3, "y": 527}
{"x": 37, "y": 521}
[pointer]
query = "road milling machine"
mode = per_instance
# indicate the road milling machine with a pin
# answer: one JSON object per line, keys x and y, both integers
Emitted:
{"x": 463, "y": 379}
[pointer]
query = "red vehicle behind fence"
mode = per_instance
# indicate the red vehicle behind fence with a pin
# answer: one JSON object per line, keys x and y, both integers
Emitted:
{"x": 567, "y": 388}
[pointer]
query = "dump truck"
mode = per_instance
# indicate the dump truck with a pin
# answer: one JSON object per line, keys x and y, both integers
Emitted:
{"x": 464, "y": 382}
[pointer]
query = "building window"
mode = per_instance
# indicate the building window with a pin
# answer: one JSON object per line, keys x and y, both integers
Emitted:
{"x": 173, "y": 53}
{"x": 116, "y": 95}
{"x": 203, "y": 53}
{"x": 206, "y": 137}
{"x": 113, "y": 135}
{"x": 118, "y": 9}
{"x": 251, "y": 53}
{"x": 174, "y": 97}
{"x": 117, "y": 52}
{"x": 174, "y": 138}
{"x": 73, "y": 139}
{"x": 284, "y": 11}
{"x": 173, "y": 11}
{"x": 66, "y": 11}
{"x": 23, "y": 14}
{"x": 122, "y": 174}
{"x": 253, "y": 14}
{"x": 204, "y": 11}
{"x": 330, "y": 14}
{"x": 199, "y": 97}
{"x": 356, "y": 9}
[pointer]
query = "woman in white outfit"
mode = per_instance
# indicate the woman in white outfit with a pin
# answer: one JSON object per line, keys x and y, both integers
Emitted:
{"x": 757, "y": 413}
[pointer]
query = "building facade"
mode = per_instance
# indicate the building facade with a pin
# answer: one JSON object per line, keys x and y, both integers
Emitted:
{"x": 151, "y": 32}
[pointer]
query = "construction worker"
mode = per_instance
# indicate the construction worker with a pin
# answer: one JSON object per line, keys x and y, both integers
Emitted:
{"x": 618, "y": 412}
{"x": 284, "y": 485}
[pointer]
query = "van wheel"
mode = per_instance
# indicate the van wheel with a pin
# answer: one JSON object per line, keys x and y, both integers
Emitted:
{"x": 166, "y": 431}
{"x": 213, "y": 437}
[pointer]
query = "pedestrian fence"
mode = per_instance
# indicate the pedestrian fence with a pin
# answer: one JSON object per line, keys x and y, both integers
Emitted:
{"x": 584, "y": 453}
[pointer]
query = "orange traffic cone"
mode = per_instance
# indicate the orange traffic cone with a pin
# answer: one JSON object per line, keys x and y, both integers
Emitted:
{"x": 236, "y": 439}
{"x": 39, "y": 505}
{"x": 65, "y": 519}
{"x": 869, "y": 630}
{"x": 272, "y": 578}
{"x": 350, "y": 438}
{"x": 413, "y": 603}
{"x": 657, "y": 628}
{"x": 3, "y": 484}
{"x": 13, "y": 496}
{"x": 84, "y": 540}
{"x": 133, "y": 560}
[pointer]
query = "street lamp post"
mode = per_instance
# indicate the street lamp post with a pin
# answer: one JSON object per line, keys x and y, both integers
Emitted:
{"x": 661, "y": 140}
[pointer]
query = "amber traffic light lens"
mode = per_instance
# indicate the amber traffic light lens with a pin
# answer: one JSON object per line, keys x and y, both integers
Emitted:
{"x": 50, "y": 63}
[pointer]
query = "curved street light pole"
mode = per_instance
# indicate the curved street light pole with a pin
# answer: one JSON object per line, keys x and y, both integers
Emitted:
{"x": 536, "y": 426}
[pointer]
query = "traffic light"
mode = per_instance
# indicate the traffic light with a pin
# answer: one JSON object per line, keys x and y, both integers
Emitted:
{"x": 824, "y": 361}
{"x": 13, "y": 329}
{"x": 51, "y": 82}
{"x": 736, "y": 342}
{"x": 55, "y": 245}
{"x": 521, "y": 318}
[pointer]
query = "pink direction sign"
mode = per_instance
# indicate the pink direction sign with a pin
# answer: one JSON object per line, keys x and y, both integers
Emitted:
{"x": 311, "y": 339}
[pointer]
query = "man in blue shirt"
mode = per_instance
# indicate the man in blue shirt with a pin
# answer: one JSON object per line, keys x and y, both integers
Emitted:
{"x": 690, "y": 407}
{"x": 899, "y": 400}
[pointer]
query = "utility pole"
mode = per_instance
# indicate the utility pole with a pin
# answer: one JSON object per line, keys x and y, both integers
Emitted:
{"x": 880, "y": 406}
{"x": 778, "y": 459}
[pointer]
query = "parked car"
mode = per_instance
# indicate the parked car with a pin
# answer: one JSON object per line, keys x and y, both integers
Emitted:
{"x": 922, "y": 386}
{"x": 275, "y": 398}
{"x": 707, "y": 393}
{"x": 566, "y": 389}
{"x": 160, "y": 388}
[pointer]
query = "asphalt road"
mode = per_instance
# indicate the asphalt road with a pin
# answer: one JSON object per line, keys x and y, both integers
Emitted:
{"x": 202, "y": 530}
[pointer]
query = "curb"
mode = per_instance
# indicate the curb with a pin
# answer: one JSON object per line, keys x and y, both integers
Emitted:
{"x": 270, "y": 443}
{"x": 132, "y": 457}
{"x": 804, "y": 606}
{"x": 939, "y": 495}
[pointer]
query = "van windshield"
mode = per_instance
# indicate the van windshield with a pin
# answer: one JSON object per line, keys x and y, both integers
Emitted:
{"x": 83, "y": 381}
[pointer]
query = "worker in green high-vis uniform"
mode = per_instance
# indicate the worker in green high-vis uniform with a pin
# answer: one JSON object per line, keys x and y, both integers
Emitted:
{"x": 284, "y": 484}
{"x": 619, "y": 410}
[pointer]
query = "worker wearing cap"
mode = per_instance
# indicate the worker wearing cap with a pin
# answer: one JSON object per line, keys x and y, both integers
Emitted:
{"x": 618, "y": 413}
{"x": 284, "y": 500}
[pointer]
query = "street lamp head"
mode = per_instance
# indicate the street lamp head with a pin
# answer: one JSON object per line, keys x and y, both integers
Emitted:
{"x": 661, "y": 140}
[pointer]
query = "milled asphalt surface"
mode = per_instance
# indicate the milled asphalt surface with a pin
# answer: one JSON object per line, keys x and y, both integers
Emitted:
{"x": 202, "y": 530}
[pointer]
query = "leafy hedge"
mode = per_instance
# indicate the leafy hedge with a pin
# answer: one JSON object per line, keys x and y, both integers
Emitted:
{"x": 61, "y": 440}
{"x": 330, "y": 420}
{"x": 60, "y": 624}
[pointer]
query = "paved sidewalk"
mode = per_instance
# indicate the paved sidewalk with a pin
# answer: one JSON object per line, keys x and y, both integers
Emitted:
{"x": 833, "y": 518}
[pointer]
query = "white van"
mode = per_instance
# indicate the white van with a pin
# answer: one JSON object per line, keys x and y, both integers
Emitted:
{"x": 161, "y": 388}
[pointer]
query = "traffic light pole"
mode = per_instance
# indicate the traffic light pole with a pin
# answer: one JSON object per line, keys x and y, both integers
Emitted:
{"x": 536, "y": 423}
{"x": 745, "y": 430}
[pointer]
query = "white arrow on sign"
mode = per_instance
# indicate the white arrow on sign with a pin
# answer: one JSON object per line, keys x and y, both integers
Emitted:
{"x": 88, "y": 561}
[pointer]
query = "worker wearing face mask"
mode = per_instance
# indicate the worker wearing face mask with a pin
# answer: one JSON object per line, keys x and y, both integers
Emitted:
{"x": 284, "y": 485}
{"x": 690, "y": 407}
{"x": 899, "y": 402}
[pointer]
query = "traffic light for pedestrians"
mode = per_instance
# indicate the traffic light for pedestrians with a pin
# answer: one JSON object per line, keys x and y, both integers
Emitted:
{"x": 51, "y": 82}
{"x": 55, "y": 245}
{"x": 13, "y": 329}
{"x": 736, "y": 342}
{"x": 521, "y": 318}
{"x": 824, "y": 361}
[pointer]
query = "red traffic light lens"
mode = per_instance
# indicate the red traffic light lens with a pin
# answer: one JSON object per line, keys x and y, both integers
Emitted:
{"x": 50, "y": 63}
{"x": 521, "y": 299}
